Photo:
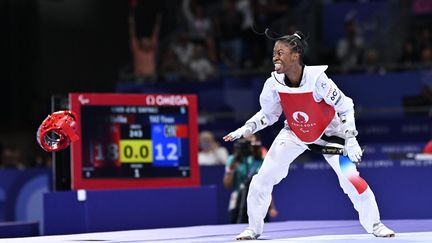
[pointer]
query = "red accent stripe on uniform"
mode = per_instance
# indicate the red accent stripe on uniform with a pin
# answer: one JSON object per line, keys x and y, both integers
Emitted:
{"x": 359, "y": 183}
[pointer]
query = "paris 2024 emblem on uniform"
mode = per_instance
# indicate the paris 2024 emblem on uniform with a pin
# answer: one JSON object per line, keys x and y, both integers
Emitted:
{"x": 300, "y": 117}
{"x": 302, "y": 121}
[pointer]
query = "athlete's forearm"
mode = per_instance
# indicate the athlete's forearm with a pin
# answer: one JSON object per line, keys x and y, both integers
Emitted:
{"x": 258, "y": 122}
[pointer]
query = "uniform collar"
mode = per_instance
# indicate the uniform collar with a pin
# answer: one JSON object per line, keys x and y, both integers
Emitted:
{"x": 289, "y": 83}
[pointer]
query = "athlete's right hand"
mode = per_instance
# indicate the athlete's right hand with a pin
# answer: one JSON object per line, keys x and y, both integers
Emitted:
{"x": 244, "y": 131}
{"x": 353, "y": 150}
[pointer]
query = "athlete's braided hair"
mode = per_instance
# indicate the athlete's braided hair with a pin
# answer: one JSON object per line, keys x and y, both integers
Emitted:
{"x": 297, "y": 42}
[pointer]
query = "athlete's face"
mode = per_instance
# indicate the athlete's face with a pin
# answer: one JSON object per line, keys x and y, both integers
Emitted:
{"x": 283, "y": 58}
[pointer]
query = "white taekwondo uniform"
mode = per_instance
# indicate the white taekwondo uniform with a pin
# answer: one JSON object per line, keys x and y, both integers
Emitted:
{"x": 311, "y": 110}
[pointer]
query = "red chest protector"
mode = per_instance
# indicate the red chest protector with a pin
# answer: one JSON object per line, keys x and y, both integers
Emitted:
{"x": 306, "y": 118}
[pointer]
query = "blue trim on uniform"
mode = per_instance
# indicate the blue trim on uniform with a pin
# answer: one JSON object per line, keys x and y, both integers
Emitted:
{"x": 337, "y": 101}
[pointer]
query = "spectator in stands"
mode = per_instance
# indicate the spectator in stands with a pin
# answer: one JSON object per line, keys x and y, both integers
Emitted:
{"x": 425, "y": 38}
{"x": 200, "y": 27}
{"x": 419, "y": 105}
{"x": 11, "y": 158}
{"x": 144, "y": 50}
{"x": 426, "y": 55}
{"x": 200, "y": 65}
{"x": 372, "y": 62}
{"x": 171, "y": 67}
{"x": 245, "y": 7}
{"x": 239, "y": 169}
{"x": 350, "y": 48}
{"x": 425, "y": 46}
{"x": 42, "y": 160}
{"x": 426, "y": 94}
{"x": 183, "y": 47}
{"x": 409, "y": 53}
{"x": 229, "y": 26}
{"x": 211, "y": 153}
{"x": 318, "y": 115}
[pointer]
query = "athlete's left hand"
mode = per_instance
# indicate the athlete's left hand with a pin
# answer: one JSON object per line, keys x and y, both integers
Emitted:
{"x": 244, "y": 131}
{"x": 353, "y": 150}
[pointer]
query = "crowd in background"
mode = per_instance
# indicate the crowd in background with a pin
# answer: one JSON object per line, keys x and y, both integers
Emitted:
{"x": 203, "y": 40}
{"x": 215, "y": 38}
{"x": 12, "y": 157}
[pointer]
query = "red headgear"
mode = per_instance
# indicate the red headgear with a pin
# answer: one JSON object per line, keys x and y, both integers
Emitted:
{"x": 63, "y": 124}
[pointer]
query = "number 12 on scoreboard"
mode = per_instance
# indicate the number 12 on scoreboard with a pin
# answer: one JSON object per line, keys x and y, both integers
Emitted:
{"x": 167, "y": 148}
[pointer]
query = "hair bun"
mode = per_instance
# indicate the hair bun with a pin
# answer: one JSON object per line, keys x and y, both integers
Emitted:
{"x": 299, "y": 34}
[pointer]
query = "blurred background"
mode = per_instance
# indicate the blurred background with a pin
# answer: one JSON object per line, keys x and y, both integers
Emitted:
{"x": 378, "y": 52}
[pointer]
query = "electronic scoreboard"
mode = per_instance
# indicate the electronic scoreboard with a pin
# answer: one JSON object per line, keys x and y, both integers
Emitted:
{"x": 134, "y": 141}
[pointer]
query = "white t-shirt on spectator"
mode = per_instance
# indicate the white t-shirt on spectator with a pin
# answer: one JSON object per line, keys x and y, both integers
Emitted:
{"x": 215, "y": 157}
